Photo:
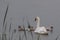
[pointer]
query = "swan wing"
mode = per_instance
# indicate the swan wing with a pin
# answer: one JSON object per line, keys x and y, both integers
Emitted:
{"x": 40, "y": 30}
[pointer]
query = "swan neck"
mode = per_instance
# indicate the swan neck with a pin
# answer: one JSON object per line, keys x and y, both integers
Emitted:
{"x": 38, "y": 23}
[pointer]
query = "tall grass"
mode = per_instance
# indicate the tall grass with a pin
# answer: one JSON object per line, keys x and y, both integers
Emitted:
{"x": 57, "y": 37}
{"x": 20, "y": 37}
{"x": 5, "y": 15}
{"x": 9, "y": 30}
{"x": 38, "y": 38}
{"x": 0, "y": 36}
{"x": 13, "y": 32}
{"x": 24, "y": 30}
{"x": 29, "y": 26}
{"x": 4, "y": 27}
{"x": 4, "y": 35}
{"x": 12, "y": 36}
{"x": 5, "y": 31}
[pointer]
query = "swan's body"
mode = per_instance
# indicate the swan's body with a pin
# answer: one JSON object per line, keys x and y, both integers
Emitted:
{"x": 40, "y": 30}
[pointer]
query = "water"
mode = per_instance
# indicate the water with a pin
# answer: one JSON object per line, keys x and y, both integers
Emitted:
{"x": 47, "y": 10}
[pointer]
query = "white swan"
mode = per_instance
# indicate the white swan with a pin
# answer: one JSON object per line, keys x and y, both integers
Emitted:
{"x": 40, "y": 30}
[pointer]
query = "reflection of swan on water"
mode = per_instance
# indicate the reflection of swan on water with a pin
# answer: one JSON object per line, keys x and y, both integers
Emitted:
{"x": 40, "y": 30}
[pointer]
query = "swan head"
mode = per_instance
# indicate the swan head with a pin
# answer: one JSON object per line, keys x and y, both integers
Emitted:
{"x": 37, "y": 18}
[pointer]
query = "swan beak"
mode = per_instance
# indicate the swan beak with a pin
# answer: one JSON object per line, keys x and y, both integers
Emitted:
{"x": 35, "y": 19}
